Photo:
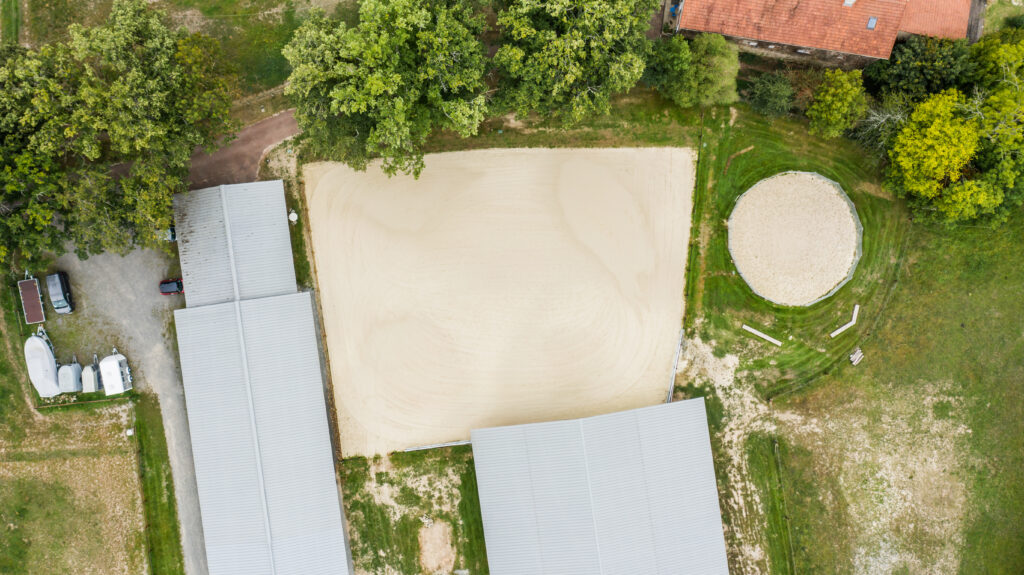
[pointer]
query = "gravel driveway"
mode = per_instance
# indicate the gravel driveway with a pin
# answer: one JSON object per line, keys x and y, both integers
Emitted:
{"x": 120, "y": 294}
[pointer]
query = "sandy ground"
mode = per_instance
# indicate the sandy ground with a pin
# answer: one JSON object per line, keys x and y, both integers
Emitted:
{"x": 794, "y": 238}
{"x": 502, "y": 287}
{"x": 437, "y": 555}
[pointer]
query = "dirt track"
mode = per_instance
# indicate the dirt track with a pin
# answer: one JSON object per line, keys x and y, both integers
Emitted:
{"x": 502, "y": 287}
{"x": 239, "y": 161}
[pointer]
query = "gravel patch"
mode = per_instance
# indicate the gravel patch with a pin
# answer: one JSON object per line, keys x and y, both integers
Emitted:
{"x": 795, "y": 238}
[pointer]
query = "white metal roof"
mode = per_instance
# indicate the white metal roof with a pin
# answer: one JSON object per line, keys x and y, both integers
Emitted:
{"x": 233, "y": 232}
{"x": 629, "y": 493}
{"x": 258, "y": 419}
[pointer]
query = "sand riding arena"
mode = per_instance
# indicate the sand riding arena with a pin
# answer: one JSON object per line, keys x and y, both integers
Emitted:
{"x": 501, "y": 287}
{"x": 795, "y": 238}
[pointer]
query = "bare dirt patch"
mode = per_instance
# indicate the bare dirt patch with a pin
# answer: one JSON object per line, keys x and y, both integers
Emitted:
{"x": 745, "y": 414}
{"x": 900, "y": 473}
{"x": 501, "y": 287}
{"x": 437, "y": 555}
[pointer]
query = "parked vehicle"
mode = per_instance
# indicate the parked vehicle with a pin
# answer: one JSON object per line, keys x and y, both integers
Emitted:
{"x": 171, "y": 235}
{"x": 115, "y": 375}
{"x": 42, "y": 367}
{"x": 171, "y": 287}
{"x": 59, "y": 287}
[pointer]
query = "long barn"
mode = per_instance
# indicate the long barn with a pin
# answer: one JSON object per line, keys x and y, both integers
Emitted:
{"x": 254, "y": 390}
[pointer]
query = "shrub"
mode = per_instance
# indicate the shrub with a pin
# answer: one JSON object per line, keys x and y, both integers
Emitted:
{"x": 771, "y": 95}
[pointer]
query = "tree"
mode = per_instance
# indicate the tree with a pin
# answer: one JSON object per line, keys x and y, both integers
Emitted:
{"x": 839, "y": 102}
{"x": 567, "y": 58}
{"x": 669, "y": 70}
{"x": 931, "y": 157}
{"x": 920, "y": 66}
{"x": 97, "y": 132}
{"x": 771, "y": 95}
{"x": 716, "y": 63}
{"x": 380, "y": 89}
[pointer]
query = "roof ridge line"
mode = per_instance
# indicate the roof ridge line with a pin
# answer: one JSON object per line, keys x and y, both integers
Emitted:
{"x": 590, "y": 495}
{"x": 248, "y": 383}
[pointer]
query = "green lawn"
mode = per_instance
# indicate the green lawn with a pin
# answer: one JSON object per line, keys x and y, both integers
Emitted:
{"x": 385, "y": 502}
{"x": 10, "y": 21}
{"x": 740, "y": 155}
{"x": 162, "y": 532}
{"x": 998, "y": 11}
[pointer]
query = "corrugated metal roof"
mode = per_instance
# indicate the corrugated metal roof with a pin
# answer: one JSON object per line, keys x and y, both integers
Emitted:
{"x": 232, "y": 238}
{"x": 258, "y": 419}
{"x": 626, "y": 493}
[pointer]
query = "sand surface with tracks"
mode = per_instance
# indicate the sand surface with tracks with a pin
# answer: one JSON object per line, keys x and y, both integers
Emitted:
{"x": 501, "y": 287}
{"x": 794, "y": 238}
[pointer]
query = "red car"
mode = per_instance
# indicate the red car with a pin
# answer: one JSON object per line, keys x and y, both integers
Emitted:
{"x": 171, "y": 287}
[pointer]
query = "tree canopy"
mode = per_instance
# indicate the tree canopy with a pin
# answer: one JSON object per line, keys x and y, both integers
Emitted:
{"x": 567, "y": 58}
{"x": 96, "y": 132}
{"x": 839, "y": 102}
{"x": 381, "y": 88}
{"x": 962, "y": 158}
{"x": 771, "y": 95}
{"x": 697, "y": 72}
{"x": 716, "y": 63}
{"x": 920, "y": 66}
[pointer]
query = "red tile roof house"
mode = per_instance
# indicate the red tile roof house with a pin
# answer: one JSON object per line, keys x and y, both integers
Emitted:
{"x": 866, "y": 28}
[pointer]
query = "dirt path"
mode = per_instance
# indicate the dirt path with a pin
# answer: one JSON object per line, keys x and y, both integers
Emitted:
{"x": 239, "y": 161}
{"x": 122, "y": 292}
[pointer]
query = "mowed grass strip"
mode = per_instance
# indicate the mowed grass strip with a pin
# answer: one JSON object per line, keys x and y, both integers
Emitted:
{"x": 10, "y": 21}
{"x": 747, "y": 148}
{"x": 163, "y": 538}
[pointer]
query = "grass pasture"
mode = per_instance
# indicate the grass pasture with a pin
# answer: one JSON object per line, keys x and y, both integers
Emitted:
{"x": 10, "y": 21}
{"x": 750, "y": 149}
{"x": 390, "y": 501}
{"x": 70, "y": 489}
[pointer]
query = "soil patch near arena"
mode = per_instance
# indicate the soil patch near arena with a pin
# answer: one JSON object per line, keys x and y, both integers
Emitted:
{"x": 501, "y": 287}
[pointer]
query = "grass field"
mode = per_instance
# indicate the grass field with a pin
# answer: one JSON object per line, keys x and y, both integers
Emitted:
{"x": 997, "y": 12}
{"x": 10, "y": 21}
{"x": 251, "y": 32}
{"x": 70, "y": 491}
{"x": 162, "y": 532}
{"x": 390, "y": 502}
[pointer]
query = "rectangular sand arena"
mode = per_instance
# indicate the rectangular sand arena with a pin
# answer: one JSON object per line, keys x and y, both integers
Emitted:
{"x": 502, "y": 287}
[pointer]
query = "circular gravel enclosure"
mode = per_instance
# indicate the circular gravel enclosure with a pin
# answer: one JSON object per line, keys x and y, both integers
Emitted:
{"x": 795, "y": 238}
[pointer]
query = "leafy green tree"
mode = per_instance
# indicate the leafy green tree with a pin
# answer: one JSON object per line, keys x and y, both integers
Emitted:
{"x": 669, "y": 70}
{"x": 931, "y": 158}
{"x": 381, "y": 88}
{"x": 567, "y": 58}
{"x": 771, "y": 95}
{"x": 97, "y": 132}
{"x": 996, "y": 58}
{"x": 839, "y": 102}
{"x": 716, "y": 63}
{"x": 920, "y": 66}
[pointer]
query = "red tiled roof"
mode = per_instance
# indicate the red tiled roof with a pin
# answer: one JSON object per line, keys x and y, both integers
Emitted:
{"x": 822, "y": 24}
{"x": 943, "y": 18}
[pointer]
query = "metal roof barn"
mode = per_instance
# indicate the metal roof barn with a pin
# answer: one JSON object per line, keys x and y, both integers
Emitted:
{"x": 254, "y": 390}
{"x": 625, "y": 493}
{"x": 233, "y": 243}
